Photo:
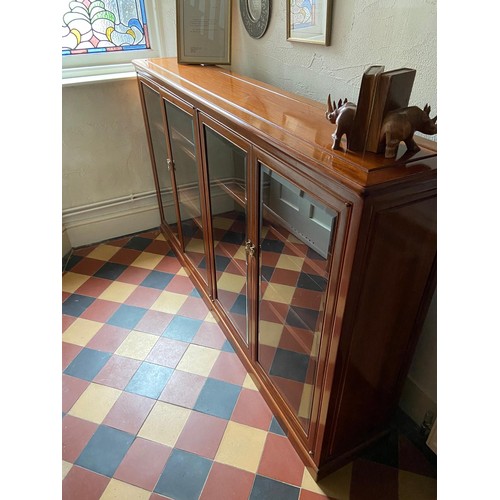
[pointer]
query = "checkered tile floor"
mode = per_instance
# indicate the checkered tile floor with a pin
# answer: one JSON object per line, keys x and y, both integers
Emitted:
{"x": 157, "y": 405}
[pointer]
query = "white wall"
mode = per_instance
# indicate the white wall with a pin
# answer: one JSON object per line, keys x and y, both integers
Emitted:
{"x": 106, "y": 172}
{"x": 364, "y": 32}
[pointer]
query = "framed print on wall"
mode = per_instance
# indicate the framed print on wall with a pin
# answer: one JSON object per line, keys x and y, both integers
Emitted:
{"x": 203, "y": 31}
{"x": 309, "y": 21}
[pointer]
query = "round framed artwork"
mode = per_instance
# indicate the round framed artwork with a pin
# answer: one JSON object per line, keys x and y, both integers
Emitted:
{"x": 255, "y": 15}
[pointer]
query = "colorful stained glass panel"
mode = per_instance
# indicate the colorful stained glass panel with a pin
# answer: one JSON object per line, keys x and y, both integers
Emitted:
{"x": 93, "y": 26}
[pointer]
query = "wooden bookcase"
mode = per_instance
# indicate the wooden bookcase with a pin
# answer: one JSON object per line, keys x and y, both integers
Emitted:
{"x": 319, "y": 265}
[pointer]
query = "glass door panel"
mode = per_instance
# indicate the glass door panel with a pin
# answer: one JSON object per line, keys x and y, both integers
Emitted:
{"x": 227, "y": 164}
{"x": 152, "y": 101}
{"x": 295, "y": 236}
{"x": 182, "y": 144}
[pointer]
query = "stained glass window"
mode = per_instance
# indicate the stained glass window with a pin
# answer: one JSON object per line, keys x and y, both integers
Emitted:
{"x": 95, "y": 26}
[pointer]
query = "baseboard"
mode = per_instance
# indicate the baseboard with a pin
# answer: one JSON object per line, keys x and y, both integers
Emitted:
{"x": 110, "y": 219}
{"x": 415, "y": 403}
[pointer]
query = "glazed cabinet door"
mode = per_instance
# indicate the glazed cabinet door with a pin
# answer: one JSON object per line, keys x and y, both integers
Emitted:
{"x": 183, "y": 162}
{"x": 156, "y": 128}
{"x": 226, "y": 158}
{"x": 299, "y": 232}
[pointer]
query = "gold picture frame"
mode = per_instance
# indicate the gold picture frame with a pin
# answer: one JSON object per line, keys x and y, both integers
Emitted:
{"x": 309, "y": 21}
{"x": 203, "y": 31}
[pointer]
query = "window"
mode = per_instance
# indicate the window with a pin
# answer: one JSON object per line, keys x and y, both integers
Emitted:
{"x": 103, "y": 36}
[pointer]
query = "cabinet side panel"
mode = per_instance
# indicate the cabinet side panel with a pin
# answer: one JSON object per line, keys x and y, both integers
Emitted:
{"x": 398, "y": 265}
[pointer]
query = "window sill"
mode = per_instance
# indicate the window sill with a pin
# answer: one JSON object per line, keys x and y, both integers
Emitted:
{"x": 85, "y": 80}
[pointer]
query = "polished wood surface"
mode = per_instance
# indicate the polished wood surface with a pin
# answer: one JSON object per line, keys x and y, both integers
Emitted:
{"x": 296, "y": 123}
{"x": 381, "y": 271}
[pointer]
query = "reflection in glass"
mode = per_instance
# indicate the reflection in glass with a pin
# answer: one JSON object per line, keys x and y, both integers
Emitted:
{"x": 181, "y": 132}
{"x": 154, "y": 116}
{"x": 227, "y": 179}
{"x": 295, "y": 235}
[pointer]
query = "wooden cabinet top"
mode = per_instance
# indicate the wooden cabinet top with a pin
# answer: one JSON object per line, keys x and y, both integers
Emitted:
{"x": 290, "y": 123}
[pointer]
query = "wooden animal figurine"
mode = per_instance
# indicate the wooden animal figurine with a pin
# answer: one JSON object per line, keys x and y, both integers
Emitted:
{"x": 400, "y": 125}
{"x": 343, "y": 116}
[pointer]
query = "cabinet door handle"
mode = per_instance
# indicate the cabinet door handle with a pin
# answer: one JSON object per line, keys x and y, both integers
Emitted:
{"x": 170, "y": 164}
{"x": 250, "y": 248}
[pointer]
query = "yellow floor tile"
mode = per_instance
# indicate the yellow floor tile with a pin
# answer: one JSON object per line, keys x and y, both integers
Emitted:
{"x": 231, "y": 282}
{"x": 103, "y": 252}
{"x": 270, "y": 333}
{"x": 198, "y": 359}
{"x": 182, "y": 272}
{"x": 95, "y": 403}
{"x": 210, "y": 318}
{"x": 195, "y": 245}
{"x": 413, "y": 486}
{"x": 169, "y": 302}
{"x": 290, "y": 262}
{"x": 164, "y": 423}
{"x": 248, "y": 383}
{"x": 81, "y": 331}
{"x": 73, "y": 281}
{"x": 279, "y": 293}
{"x": 66, "y": 466}
{"x": 118, "y": 292}
{"x": 118, "y": 490}
{"x": 137, "y": 345}
{"x": 241, "y": 446}
{"x": 336, "y": 485}
{"x": 147, "y": 260}
{"x": 160, "y": 237}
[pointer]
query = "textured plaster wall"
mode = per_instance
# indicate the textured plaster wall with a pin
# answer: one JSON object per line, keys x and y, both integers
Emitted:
{"x": 393, "y": 33}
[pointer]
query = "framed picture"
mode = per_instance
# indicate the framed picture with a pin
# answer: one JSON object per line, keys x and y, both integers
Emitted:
{"x": 203, "y": 31}
{"x": 309, "y": 21}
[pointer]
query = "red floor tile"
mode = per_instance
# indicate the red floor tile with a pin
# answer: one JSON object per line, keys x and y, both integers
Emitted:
{"x": 180, "y": 284}
{"x": 117, "y": 372}
{"x": 133, "y": 275}
{"x": 82, "y": 484}
{"x": 76, "y": 433}
{"x": 169, "y": 265}
{"x": 108, "y": 338}
{"x": 252, "y": 410}
{"x": 143, "y": 296}
{"x": 310, "y": 495}
{"x": 202, "y": 434}
{"x": 67, "y": 320}
{"x": 194, "y": 308}
{"x": 183, "y": 389}
{"x": 143, "y": 464}
{"x": 285, "y": 277}
{"x": 280, "y": 461}
{"x": 228, "y": 483}
{"x": 209, "y": 335}
{"x": 159, "y": 247}
{"x": 69, "y": 353}
{"x": 167, "y": 352}
{"x": 154, "y": 322}
{"x": 229, "y": 368}
{"x": 125, "y": 256}
{"x": 129, "y": 412}
{"x": 72, "y": 389}
{"x": 100, "y": 310}
{"x": 93, "y": 287}
{"x": 87, "y": 266}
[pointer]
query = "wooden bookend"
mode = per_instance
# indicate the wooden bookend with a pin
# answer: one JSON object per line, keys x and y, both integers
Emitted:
{"x": 359, "y": 131}
{"x": 393, "y": 92}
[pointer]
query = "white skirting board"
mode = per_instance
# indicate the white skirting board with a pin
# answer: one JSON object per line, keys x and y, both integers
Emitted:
{"x": 110, "y": 219}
